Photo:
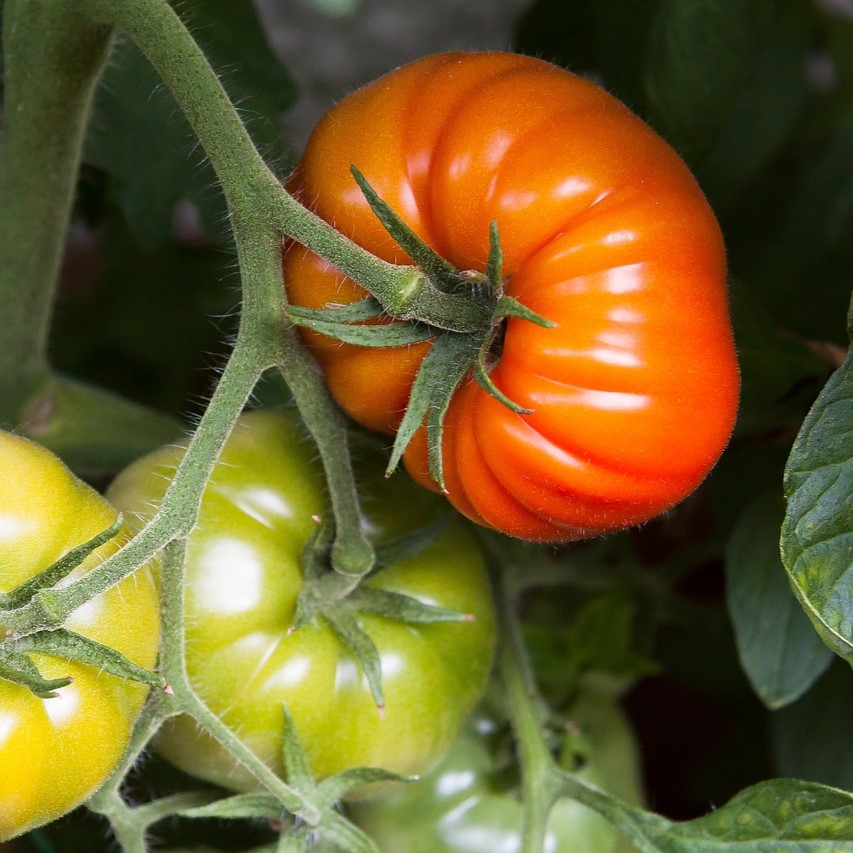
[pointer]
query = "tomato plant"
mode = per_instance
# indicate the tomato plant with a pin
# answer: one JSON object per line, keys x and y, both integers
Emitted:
{"x": 565, "y": 293}
{"x": 55, "y": 751}
{"x": 471, "y": 804}
{"x": 243, "y": 578}
{"x": 604, "y": 232}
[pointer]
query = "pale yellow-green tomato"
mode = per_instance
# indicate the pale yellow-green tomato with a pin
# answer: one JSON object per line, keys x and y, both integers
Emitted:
{"x": 55, "y": 752}
{"x": 243, "y": 577}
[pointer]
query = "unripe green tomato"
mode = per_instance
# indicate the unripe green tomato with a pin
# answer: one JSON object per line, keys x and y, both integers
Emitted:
{"x": 243, "y": 577}
{"x": 465, "y": 806}
{"x": 54, "y": 753}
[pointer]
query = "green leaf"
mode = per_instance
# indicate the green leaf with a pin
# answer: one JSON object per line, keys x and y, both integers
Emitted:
{"x": 364, "y": 309}
{"x": 1, "y": 53}
{"x": 817, "y": 536}
{"x": 482, "y": 378}
{"x": 776, "y": 816}
{"x": 510, "y": 307}
{"x": 495, "y": 265}
{"x": 140, "y": 137}
{"x": 95, "y": 432}
{"x": 335, "y": 787}
{"x": 600, "y": 638}
{"x": 604, "y": 38}
{"x": 726, "y": 82}
{"x": 812, "y": 738}
{"x": 780, "y": 652}
{"x": 408, "y": 545}
{"x": 818, "y": 216}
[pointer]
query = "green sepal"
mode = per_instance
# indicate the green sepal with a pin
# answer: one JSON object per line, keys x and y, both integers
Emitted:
{"x": 441, "y": 371}
{"x": 508, "y": 306}
{"x": 60, "y": 569}
{"x": 355, "y": 312}
{"x": 335, "y": 787}
{"x": 381, "y": 335}
{"x": 315, "y": 557}
{"x": 294, "y": 757}
{"x": 482, "y": 378}
{"x": 70, "y": 646}
{"x": 300, "y": 841}
{"x": 494, "y": 266}
{"x": 19, "y": 669}
{"x": 255, "y": 805}
{"x": 333, "y": 826}
{"x": 345, "y": 625}
{"x": 405, "y": 608}
{"x": 429, "y": 261}
{"x": 409, "y": 545}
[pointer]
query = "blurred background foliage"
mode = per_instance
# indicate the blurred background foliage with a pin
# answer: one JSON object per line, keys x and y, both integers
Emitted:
{"x": 690, "y": 617}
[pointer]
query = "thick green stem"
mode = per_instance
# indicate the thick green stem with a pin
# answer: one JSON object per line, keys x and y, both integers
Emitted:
{"x": 248, "y": 183}
{"x": 173, "y": 663}
{"x": 53, "y": 58}
{"x": 252, "y": 192}
{"x": 179, "y": 509}
{"x": 543, "y": 781}
{"x": 352, "y": 554}
{"x": 539, "y": 785}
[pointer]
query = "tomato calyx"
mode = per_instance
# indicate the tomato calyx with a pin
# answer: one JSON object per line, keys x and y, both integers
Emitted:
{"x": 340, "y": 599}
{"x": 326, "y": 822}
{"x": 455, "y": 355}
{"x": 17, "y": 666}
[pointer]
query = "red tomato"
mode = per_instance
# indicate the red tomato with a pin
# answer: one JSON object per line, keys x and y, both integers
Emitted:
{"x": 604, "y": 232}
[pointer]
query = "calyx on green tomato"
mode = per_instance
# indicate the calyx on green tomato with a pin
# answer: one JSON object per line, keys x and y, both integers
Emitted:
{"x": 632, "y": 392}
{"x": 242, "y": 581}
{"x": 470, "y": 803}
{"x": 55, "y": 752}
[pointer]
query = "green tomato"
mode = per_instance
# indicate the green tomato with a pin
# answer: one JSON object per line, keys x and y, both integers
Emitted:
{"x": 242, "y": 580}
{"x": 55, "y": 752}
{"x": 466, "y": 806}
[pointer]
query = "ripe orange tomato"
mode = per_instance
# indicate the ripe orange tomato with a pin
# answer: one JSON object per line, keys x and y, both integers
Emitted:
{"x": 604, "y": 232}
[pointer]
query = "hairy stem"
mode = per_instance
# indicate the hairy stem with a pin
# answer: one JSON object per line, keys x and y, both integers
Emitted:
{"x": 53, "y": 59}
{"x": 185, "y": 699}
{"x": 178, "y": 511}
{"x": 247, "y": 181}
{"x": 539, "y": 789}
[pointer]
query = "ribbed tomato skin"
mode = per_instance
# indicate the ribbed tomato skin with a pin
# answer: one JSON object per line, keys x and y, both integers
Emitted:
{"x": 604, "y": 231}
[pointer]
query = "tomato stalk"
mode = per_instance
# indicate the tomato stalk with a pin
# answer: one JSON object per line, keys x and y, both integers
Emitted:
{"x": 544, "y": 781}
{"x": 298, "y": 797}
{"x": 53, "y": 59}
{"x": 49, "y": 608}
{"x": 253, "y": 194}
{"x": 539, "y": 784}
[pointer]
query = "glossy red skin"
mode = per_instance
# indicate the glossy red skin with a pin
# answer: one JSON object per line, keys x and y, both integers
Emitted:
{"x": 604, "y": 231}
